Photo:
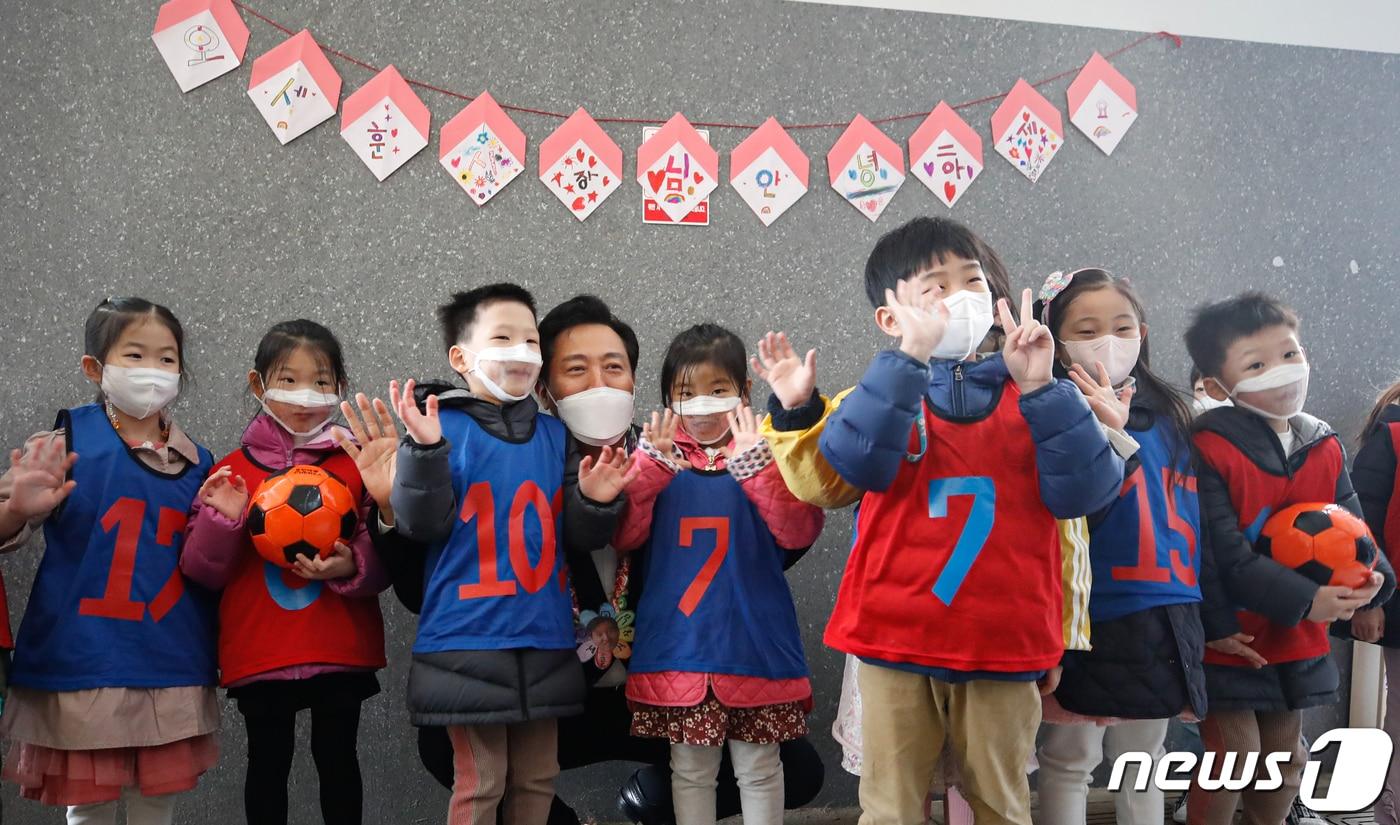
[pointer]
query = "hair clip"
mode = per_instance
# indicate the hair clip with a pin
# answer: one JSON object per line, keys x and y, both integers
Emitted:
{"x": 1055, "y": 283}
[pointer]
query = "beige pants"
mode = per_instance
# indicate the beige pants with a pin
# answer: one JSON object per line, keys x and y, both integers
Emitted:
{"x": 906, "y": 718}
{"x": 509, "y": 766}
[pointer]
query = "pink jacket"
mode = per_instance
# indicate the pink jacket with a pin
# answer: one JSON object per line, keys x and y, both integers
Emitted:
{"x": 794, "y": 525}
{"x": 213, "y": 543}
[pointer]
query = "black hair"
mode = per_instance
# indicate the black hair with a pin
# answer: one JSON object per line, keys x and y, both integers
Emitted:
{"x": 1152, "y": 391}
{"x": 916, "y": 245}
{"x": 457, "y": 315}
{"x": 704, "y": 344}
{"x": 112, "y": 317}
{"x": 1216, "y": 326}
{"x": 578, "y": 311}
{"x": 1195, "y": 376}
{"x": 285, "y": 338}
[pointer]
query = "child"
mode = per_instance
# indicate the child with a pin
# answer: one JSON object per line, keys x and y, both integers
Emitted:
{"x": 309, "y": 638}
{"x": 1145, "y": 665}
{"x": 1266, "y": 625}
{"x": 1376, "y": 472}
{"x": 112, "y": 689}
{"x": 718, "y": 655}
{"x": 481, "y": 483}
{"x": 963, "y": 458}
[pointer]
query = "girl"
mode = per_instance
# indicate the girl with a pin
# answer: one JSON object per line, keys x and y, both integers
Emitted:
{"x": 112, "y": 690}
{"x": 1145, "y": 664}
{"x": 718, "y": 655}
{"x": 306, "y": 638}
{"x": 1376, "y": 474}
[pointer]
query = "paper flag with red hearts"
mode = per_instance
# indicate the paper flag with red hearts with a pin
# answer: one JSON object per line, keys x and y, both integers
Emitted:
{"x": 200, "y": 39}
{"x": 866, "y": 167}
{"x": 294, "y": 87}
{"x": 1028, "y": 129}
{"x": 945, "y": 153}
{"x": 676, "y": 168}
{"x": 769, "y": 171}
{"x": 1102, "y": 103}
{"x": 579, "y": 163}
{"x": 385, "y": 122}
{"x": 482, "y": 148}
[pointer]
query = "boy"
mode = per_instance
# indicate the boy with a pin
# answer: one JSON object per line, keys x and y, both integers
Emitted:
{"x": 1267, "y": 651}
{"x": 481, "y": 484}
{"x": 952, "y": 595}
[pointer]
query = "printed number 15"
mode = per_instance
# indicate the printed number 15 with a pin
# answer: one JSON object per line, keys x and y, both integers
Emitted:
{"x": 974, "y": 533}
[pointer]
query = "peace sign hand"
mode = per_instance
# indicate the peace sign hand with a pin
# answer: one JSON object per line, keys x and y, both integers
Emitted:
{"x": 922, "y": 318}
{"x": 1109, "y": 406}
{"x": 792, "y": 378}
{"x": 423, "y": 427}
{"x": 1029, "y": 351}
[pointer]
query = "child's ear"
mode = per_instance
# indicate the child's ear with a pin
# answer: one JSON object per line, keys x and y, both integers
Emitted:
{"x": 1215, "y": 389}
{"x": 92, "y": 369}
{"x": 457, "y": 358}
{"x": 885, "y": 320}
{"x": 255, "y": 384}
{"x": 1142, "y": 331}
{"x": 544, "y": 395}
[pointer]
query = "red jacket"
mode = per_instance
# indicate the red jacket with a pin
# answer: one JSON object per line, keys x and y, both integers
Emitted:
{"x": 7, "y": 642}
{"x": 794, "y": 525}
{"x": 271, "y": 621}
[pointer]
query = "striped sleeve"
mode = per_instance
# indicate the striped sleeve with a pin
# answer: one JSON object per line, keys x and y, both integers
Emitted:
{"x": 1076, "y": 578}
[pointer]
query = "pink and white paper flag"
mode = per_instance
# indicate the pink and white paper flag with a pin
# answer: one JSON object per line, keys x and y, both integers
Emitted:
{"x": 1102, "y": 103}
{"x": 294, "y": 87}
{"x": 579, "y": 164}
{"x": 866, "y": 167}
{"x": 677, "y": 170}
{"x": 1028, "y": 130}
{"x": 769, "y": 171}
{"x": 200, "y": 39}
{"x": 482, "y": 148}
{"x": 945, "y": 153}
{"x": 385, "y": 122}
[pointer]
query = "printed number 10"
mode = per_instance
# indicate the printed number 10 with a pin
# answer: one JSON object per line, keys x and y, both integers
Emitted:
{"x": 974, "y": 533}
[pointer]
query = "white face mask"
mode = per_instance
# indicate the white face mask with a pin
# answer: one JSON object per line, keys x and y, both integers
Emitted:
{"x": 518, "y": 354}
{"x": 969, "y": 319}
{"x": 305, "y": 398}
{"x": 1278, "y": 394}
{"x": 140, "y": 392}
{"x": 598, "y": 416}
{"x": 705, "y": 405}
{"x": 1118, "y": 355}
{"x": 1208, "y": 403}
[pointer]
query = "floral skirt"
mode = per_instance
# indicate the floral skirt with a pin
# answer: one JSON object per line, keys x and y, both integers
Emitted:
{"x": 711, "y": 723}
{"x": 64, "y": 777}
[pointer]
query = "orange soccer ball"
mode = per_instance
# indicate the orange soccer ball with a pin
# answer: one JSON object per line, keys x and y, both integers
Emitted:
{"x": 301, "y": 511}
{"x": 1324, "y": 542}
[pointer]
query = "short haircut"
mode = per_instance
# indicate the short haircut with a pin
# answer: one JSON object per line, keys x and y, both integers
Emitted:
{"x": 1217, "y": 326}
{"x": 579, "y": 311}
{"x": 916, "y": 245}
{"x": 457, "y": 315}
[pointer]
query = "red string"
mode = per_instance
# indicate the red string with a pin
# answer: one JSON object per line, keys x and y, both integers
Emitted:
{"x": 1162, "y": 35}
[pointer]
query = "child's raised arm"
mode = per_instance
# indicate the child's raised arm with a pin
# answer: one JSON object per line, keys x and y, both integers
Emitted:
{"x": 36, "y": 483}
{"x": 423, "y": 501}
{"x": 653, "y": 468}
{"x": 794, "y": 525}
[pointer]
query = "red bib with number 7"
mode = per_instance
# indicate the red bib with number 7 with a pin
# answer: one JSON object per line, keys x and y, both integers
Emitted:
{"x": 957, "y": 564}
{"x": 109, "y": 607}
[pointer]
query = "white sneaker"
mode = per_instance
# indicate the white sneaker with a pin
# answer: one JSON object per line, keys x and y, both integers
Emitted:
{"x": 1300, "y": 814}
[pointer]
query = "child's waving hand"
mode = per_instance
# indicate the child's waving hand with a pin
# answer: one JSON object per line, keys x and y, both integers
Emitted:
{"x": 39, "y": 478}
{"x": 660, "y": 432}
{"x": 226, "y": 493}
{"x": 1030, "y": 349}
{"x": 1109, "y": 406}
{"x": 792, "y": 378}
{"x": 743, "y": 428}
{"x": 922, "y": 318}
{"x": 375, "y": 445}
{"x": 423, "y": 427}
{"x": 605, "y": 479}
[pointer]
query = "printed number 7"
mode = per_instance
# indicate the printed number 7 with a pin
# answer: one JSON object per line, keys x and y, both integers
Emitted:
{"x": 696, "y": 591}
{"x": 974, "y": 533}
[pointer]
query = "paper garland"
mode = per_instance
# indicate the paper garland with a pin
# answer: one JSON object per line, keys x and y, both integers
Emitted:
{"x": 296, "y": 88}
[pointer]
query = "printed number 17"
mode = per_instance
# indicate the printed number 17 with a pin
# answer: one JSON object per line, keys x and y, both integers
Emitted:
{"x": 974, "y": 533}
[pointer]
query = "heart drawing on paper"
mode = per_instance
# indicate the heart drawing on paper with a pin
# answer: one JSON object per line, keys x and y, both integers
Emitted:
{"x": 1025, "y": 116}
{"x": 871, "y": 205}
{"x": 578, "y": 153}
{"x": 605, "y": 180}
{"x": 592, "y": 161}
{"x": 457, "y": 161}
{"x": 929, "y": 167}
{"x": 656, "y": 178}
{"x": 699, "y": 177}
{"x": 949, "y": 190}
{"x": 393, "y": 133}
{"x": 577, "y": 205}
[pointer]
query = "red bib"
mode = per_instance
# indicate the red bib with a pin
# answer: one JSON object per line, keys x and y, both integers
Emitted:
{"x": 7, "y": 642}
{"x": 957, "y": 564}
{"x": 271, "y": 618}
{"x": 1256, "y": 495}
{"x": 1392, "y": 514}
